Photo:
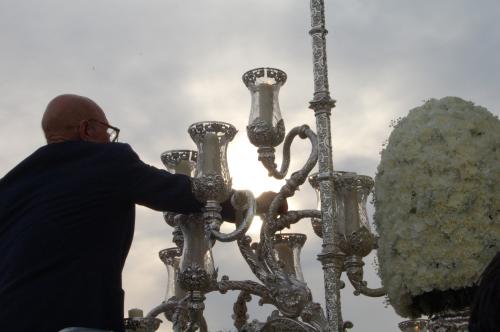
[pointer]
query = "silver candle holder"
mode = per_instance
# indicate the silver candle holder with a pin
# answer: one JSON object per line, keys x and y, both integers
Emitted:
{"x": 180, "y": 161}
{"x": 136, "y": 322}
{"x": 265, "y": 128}
{"x": 414, "y": 325}
{"x": 340, "y": 219}
{"x": 353, "y": 237}
{"x": 212, "y": 182}
{"x": 287, "y": 247}
{"x": 171, "y": 257}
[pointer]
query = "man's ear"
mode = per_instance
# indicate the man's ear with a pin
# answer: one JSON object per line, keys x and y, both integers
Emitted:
{"x": 83, "y": 130}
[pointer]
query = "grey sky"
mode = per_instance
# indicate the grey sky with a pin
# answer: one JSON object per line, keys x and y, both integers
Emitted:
{"x": 158, "y": 66}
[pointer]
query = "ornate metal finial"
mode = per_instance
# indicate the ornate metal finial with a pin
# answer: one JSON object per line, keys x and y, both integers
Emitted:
{"x": 264, "y": 74}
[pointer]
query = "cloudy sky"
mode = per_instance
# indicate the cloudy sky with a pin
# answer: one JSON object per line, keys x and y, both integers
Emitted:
{"x": 156, "y": 66}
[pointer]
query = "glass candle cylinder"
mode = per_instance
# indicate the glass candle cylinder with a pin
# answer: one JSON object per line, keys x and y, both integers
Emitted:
{"x": 136, "y": 322}
{"x": 265, "y": 126}
{"x": 180, "y": 161}
{"x": 353, "y": 234}
{"x": 287, "y": 247}
{"x": 171, "y": 258}
{"x": 213, "y": 181}
{"x": 196, "y": 267}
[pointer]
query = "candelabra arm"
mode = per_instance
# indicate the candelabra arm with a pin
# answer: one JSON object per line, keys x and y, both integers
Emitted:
{"x": 299, "y": 177}
{"x": 277, "y": 322}
{"x": 289, "y": 294}
{"x": 372, "y": 292}
{"x": 253, "y": 258}
{"x": 196, "y": 306}
{"x": 288, "y": 190}
{"x": 180, "y": 315}
{"x": 314, "y": 315}
{"x": 266, "y": 155}
{"x": 241, "y": 200}
{"x": 167, "y": 307}
{"x": 248, "y": 286}
{"x": 240, "y": 310}
{"x": 354, "y": 268}
{"x": 292, "y": 217}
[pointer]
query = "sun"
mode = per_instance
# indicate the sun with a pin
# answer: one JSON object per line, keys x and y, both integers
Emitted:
{"x": 247, "y": 173}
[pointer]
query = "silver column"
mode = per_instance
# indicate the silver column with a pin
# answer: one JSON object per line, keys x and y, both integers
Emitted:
{"x": 322, "y": 103}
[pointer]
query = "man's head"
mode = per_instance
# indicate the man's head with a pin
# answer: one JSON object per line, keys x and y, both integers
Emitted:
{"x": 72, "y": 117}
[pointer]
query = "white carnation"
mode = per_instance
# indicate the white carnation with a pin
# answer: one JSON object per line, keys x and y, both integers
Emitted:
{"x": 437, "y": 200}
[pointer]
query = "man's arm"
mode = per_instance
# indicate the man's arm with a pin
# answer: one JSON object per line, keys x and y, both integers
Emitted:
{"x": 155, "y": 188}
{"x": 163, "y": 191}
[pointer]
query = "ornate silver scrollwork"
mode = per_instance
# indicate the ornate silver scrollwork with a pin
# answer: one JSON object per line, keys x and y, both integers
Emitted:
{"x": 291, "y": 295}
{"x": 211, "y": 187}
{"x": 413, "y": 325}
{"x": 142, "y": 324}
{"x": 322, "y": 104}
{"x": 342, "y": 249}
{"x": 313, "y": 314}
{"x": 242, "y": 201}
{"x": 290, "y": 218}
{"x": 266, "y": 128}
{"x": 266, "y": 156}
{"x": 359, "y": 242}
{"x": 169, "y": 218}
{"x": 172, "y": 158}
{"x": 168, "y": 256}
{"x": 276, "y": 322}
{"x": 450, "y": 321}
{"x": 240, "y": 310}
{"x": 287, "y": 247}
{"x": 212, "y": 182}
{"x": 287, "y": 293}
{"x": 177, "y": 237}
{"x": 180, "y": 316}
{"x": 199, "y": 129}
{"x": 194, "y": 277}
{"x": 263, "y": 135}
{"x": 354, "y": 268}
{"x": 252, "y": 75}
{"x": 167, "y": 307}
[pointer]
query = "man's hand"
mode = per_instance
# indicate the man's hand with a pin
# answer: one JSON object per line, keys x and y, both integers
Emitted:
{"x": 264, "y": 202}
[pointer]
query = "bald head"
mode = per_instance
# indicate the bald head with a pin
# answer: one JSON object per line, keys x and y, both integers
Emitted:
{"x": 65, "y": 115}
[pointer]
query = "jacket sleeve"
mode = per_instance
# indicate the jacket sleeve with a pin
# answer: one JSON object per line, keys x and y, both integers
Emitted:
{"x": 155, "y": 188}
{"x": 160, "y": 190}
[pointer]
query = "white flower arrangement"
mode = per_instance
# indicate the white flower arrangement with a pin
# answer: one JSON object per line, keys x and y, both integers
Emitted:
{"x": 437, "y": 200}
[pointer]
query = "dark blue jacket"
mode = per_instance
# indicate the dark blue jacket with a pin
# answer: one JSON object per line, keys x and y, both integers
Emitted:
{"x": 66, "y": 225}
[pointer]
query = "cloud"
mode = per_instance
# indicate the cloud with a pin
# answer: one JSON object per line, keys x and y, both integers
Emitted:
{"x": 158, "y": 66}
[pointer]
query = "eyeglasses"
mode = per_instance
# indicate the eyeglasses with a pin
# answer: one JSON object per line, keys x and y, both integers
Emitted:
{"x": 113, "y": 132}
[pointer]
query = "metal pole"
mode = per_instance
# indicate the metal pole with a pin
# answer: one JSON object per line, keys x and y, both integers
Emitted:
{"x": 322, "y": 103}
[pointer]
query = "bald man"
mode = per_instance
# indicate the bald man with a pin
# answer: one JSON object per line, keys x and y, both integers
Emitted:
{"x": 72, "y": 117}
{"x": 67, "y": 221}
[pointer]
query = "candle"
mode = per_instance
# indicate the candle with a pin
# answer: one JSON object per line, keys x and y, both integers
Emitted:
{"x": 266, "y": 103}
{"x": 183, "y": 167}
{"x": 211, "y": 151}
{"x": 284, "y": 254}
{"x": 135, "y": 313}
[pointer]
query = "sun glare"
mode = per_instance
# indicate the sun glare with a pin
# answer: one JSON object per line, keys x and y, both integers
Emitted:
{"x": 248, "y": 174}
{"x": 246, "y": 171}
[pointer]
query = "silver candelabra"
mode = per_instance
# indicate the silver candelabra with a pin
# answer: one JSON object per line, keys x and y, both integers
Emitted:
{"x": 341, "y": 219}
